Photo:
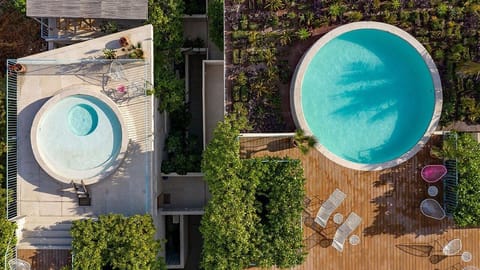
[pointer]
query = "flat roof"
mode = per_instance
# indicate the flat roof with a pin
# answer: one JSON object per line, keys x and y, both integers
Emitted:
{"x": 108, "y": 9}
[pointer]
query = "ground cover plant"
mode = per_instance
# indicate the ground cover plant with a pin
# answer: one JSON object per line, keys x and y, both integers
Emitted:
{"x": 253, "y": 216}
{"x": 116, "y": 242}
{"x": 467, "y": 152}
{"x": 266, "y": 38}
{"x": 215, "y": 22}
{"x": 183, "y": 150}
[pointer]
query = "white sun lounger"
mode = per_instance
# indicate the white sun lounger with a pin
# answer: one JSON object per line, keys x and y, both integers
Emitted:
{"x": 342, "y": 233}
{"x": 327, "y": 208}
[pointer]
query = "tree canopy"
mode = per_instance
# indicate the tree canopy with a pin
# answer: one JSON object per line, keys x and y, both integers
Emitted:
{"x": 253, "y": 216}
{"x": 116, "y": 242}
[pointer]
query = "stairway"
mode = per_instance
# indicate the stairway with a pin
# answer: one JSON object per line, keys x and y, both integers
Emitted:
{"x": 46, "y": 232}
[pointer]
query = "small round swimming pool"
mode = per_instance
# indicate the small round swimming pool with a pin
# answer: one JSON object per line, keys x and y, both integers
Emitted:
{"x": 370, "y": 93}
{"x": 78, "y": 135}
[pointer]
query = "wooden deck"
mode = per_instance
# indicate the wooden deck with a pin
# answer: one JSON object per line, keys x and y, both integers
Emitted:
{"x": 393, "y": 234}
{"x": 46, "y": 259}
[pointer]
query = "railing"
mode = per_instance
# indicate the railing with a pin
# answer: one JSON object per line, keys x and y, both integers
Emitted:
{"x": 44, "y": 28}
{"x": 10, "y": 251}
{"x": 450, "y": 183}
{"x": 11, "y": 141}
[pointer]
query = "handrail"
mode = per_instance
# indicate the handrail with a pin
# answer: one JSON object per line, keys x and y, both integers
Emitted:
{"x": 11, "y": 141}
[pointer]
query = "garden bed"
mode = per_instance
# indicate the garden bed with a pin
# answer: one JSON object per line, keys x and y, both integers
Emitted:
{"x": 265, "y": 40}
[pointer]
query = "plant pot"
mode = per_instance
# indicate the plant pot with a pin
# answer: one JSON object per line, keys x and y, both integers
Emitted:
{"x": 124, "y": 42}
{"x": 19, "y": 68}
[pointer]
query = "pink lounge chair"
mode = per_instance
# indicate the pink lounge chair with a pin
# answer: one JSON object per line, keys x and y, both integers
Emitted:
{"x": 433, "y": 173}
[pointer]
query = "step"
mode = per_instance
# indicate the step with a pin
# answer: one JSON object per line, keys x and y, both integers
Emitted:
{"x": 28, "y": 246}
{"x": 57, "y": 226}
{"x": 53, "y": 219}
{"x": 45, "y": 234}
{"x": 57, "y": 241}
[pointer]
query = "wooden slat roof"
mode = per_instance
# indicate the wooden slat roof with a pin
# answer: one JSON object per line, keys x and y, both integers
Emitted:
{"x": 108, "y": 9}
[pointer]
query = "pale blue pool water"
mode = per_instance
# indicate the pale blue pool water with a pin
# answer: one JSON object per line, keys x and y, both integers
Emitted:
{"x": 79, "y": 134}
{"x": 368, "y": 96}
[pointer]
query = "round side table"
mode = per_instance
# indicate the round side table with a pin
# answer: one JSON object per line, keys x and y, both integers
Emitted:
{"x": 432, "y": 191}
{"x": 466, "y": 256}
{"x": 354, "y": 240}
{"x": 338, "y": 218}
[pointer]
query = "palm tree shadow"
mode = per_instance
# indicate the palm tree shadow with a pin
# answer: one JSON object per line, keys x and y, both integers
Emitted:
{"x": 418, "y": 250}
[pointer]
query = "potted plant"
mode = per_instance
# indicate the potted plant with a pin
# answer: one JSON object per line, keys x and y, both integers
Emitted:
{"x": 17, "y": 67}
{"x": 109, "y": 53}
{"x": 136, "y": 52}
{"x": 124, "y": 42}
{"x": 303, "y": 142}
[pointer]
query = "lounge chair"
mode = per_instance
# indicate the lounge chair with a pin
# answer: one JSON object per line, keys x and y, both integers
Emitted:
{"x": 327, "y": 208}
{"x": 433, "y": 173}
{"x": 453, "y": 247}
{"x": 342, "y": 233}
{"x": 432, "y": 209}
{"x": 82, "y": 194}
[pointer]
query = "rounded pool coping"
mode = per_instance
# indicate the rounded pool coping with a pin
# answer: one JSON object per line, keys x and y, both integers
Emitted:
{"x": 87, "y": 90}
{"x": 303, "y": 64}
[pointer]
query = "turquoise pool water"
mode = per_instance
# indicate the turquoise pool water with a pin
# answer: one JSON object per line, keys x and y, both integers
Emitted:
{"x": 368, "y": 96}
{"x": 80, "y": 135}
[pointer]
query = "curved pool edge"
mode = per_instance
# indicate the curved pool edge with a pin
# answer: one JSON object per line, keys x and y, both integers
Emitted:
{"x": 88, "y": 90}
{"x": 303, "y": 64}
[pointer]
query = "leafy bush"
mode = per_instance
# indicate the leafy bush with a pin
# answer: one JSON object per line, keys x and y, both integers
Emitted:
{"x": 116, "y": 242}
{"x": 215, "y": 22}
{"x": 262, "y": 199}
{"x": 170, "y": 91}
{"x": 468, "y": 162}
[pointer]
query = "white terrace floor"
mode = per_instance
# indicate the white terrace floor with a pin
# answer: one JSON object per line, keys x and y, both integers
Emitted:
{"x": 45, "y": 201}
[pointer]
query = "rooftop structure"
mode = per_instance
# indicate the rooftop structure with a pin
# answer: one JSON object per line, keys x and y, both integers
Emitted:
{"x": 100, "y": 9}
{"x": 47, "y": 206}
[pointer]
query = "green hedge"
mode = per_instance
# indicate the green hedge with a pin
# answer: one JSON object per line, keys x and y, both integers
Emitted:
{"x": 215, "y": 22}
{"x": 468, "y": 158}
{"x": 253, "y": 216}
{"x": 116, "y": 242}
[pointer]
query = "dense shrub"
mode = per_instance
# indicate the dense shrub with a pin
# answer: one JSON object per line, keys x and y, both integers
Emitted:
{"x": 468, "y": 160}
{"x": 116, "y": 242}
{"x": 253, "y": 216}
{"x": 215, "y": 22}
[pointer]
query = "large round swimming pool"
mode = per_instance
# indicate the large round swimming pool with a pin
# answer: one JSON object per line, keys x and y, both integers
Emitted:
{"x": 78, "y": 135}
{"x": 370, "y": 93}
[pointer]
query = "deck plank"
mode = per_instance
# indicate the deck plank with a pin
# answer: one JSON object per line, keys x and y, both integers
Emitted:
{"x": 46, "y": 259}
{"x": 388, "y": 201}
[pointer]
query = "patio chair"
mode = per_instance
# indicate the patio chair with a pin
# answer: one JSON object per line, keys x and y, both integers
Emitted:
{"x": 432, "y": 209}
{"x": 82, "y": 194}
{"x": 342, "y": 233}
{"x": 18, "y": 264}
{"x": 433, "y": 173}
{"x": 327, "y": 208}
{"x": 116, "y": 71}
{"x": 452, "y": 248}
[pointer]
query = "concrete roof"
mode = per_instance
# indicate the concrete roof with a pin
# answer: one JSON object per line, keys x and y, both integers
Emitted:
{"x": 111, "y": 9}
